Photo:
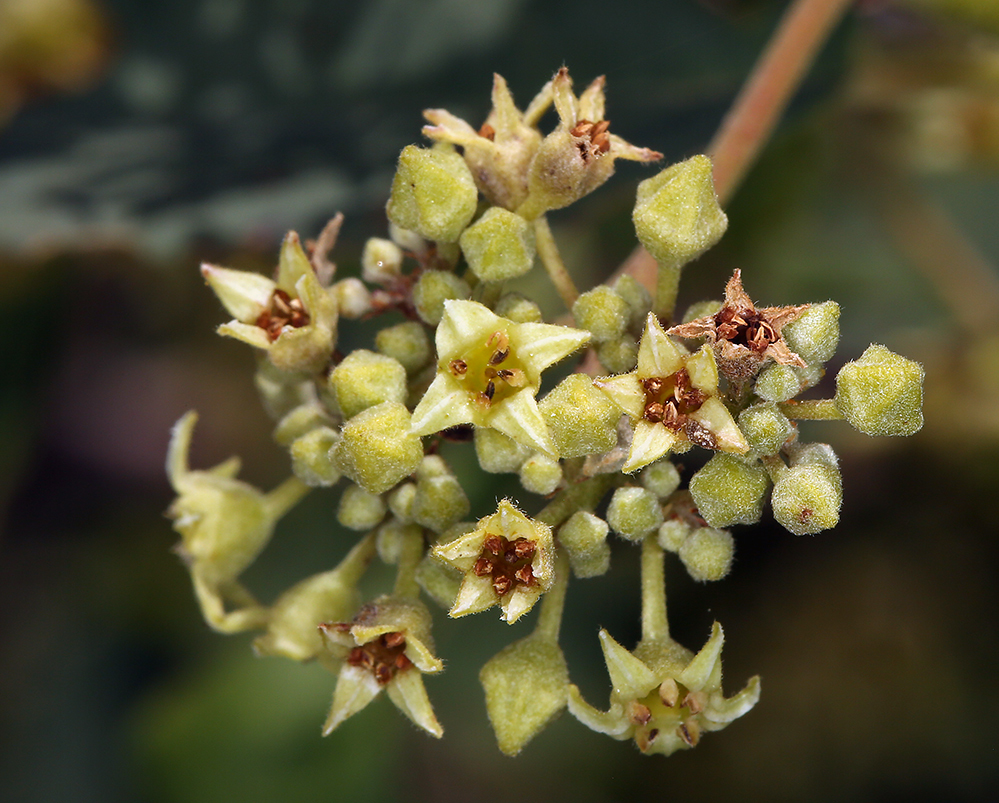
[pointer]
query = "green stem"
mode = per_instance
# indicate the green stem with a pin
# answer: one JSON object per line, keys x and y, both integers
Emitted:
{"x": 553, "y": 603}
{"x": 410, "y": 554}
{"x": 667, "y": 287}
{"x": 283, "y": 498}
{"x": 812, "y": 410}
{"x": 655, "y": 626}
{"x": 774, "y": 466}
{"x": 584, "y": 495}
{"x": 355, "y": 562}
{"x": 554, "y": 266}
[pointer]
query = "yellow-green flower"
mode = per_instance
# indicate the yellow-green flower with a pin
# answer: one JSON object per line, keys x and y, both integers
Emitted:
{"x": 507, "y": 559}
{"x": 672, "y": 399}
{"x": 488, "y": 373}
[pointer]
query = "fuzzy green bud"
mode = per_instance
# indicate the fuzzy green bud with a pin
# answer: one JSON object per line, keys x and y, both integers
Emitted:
{"x": 702, "y": 309}
{"x": 406, "y": 342}
{"x": 376, "y": 449}
{"x": 806, "y": 498}
{"x": 432, "y": 289}
{"x": 311, "y": 457}
{"x": 673, "y": 533}
{"x": 381, "y": 261}
{"x": 392, "y": 537}
{"x": 364, "y": 379}
{"x": 618, "y": 356}
{"x": 707, "y": 553}
{"x": 766, "y": 428}
{"x": 518, "y": 308}
{"x": 500, "y": 245}
{"x": 815, "y": 334}
{"x": 638, "y": 299}
{"x": 729, "y": 491}
{"x": 352, "y": 297}
{"x": 400, "y": 501}
{"x": 581, "y": 418}
{"x": 433, "y": 193}
{"x": 300, "y": 421}
{"x": 439, "y": 502}
{"x": 602, "y": 312}
{"x": 778, "y": 383}
{"x": 634, "y": 512}
{"x": 584, "y": 537}
{"x": 661, "y": 478}
{"x": 539, "y": 474}
{"x": 526, "y": 686}
{"x": 677, "y": 216}
{"x": 498, "y": 453}
{"x": 360, "y": 510}
{"x": 881, "y": 393}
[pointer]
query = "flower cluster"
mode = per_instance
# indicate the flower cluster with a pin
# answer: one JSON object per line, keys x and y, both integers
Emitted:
{"x": 594, "y": 454}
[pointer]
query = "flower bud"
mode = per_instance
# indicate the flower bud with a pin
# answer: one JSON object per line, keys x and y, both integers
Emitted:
{"x": 500, "y": 245}
{"x": 618, "y": 356}
{"x": 661, "y": 478}
{"x": 439, "y": 501}
{"x": 702, "y": 309}
{"x": 432, "y": 289}
{"x": 677, "y": 216}
{"x": 539, "y": 474}
{"x": 584, "y": 537}
{"x": 602, "y": 312}
{"x": 634, "y": 512}
{"x": 406, "y": 342}
{"x": 815, "y": 334}
{"x": 360, "y": 510}
{"x": 433, "y": 193}
{"x": 381, "y": 261}
{"x": 673, "y": 533}
{"x": 279, "y": 391}
{"x": 765, "y": 427}
{"x": 376, "y": 449}
{"x": 300, "y": 421}
{"x": 881, "y": 393}
{"x": 391, "y": 538}
{"x": 638, "y": 299}
{"x": 526, "y": 686}
{"x": 707, "y": 553}
{"x": 581, "y": 419}
{"x": 498, "y": 453}
{"x": 311, "y": 457}
{"x": 439, "y": 580}
{"x": 729, "y": 491}
{"x": 400, "y": 501}
{"x": 806, "y": 498}
{"x": 352, "y": 297}
{"x": 364, "y": 379}
{"x": 778, "y": 383}
{"x": 518, "y": 308}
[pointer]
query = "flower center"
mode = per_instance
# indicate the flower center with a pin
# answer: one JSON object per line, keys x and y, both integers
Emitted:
{"x": 490, "y": 371}
{"x": 282, "y": 311}
{"x": 593, "y": 138}
{"x": 669, "y": 707}
{"x": 507, "y": 562}
{"x": 384, "y": 657}
{"x": 669, "y": 400}
{"x": 745, "y": 328}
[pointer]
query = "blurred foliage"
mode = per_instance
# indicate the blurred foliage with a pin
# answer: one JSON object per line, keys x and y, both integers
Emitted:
{"x": 219, "y": 124}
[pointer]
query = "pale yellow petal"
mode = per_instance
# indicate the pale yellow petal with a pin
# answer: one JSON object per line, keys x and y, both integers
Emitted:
{"x": 630, "y": 678}
{"x": 539, "y": 345}
{"x": 445, "y": 404}
{"x": 248, "y": 333}
{"x": 702, "y": 666}
{"x": 355, "y": 688}
{"x": 518, "y": 417}
{"x": 625, "y": 391}
{"x": 518, "y": 602}
{"x": 715, "y": 416}
{"x": 703, "y": 370}
{"x": 293, "y": 264}
{"x": 464, "y": 326}
{"x": 614, "y": 723}
{"x": 409, "y": 694}
{"x": 658, "y": 355}
{"x": 476, "y": 594}
{"x": 244, "y": 294}
{"x": 651, "y": 442}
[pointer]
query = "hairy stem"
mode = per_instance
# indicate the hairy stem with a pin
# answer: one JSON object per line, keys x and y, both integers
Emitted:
{"x": 410, "y": 553}
{"x": 812, "y": 410}
{"x": 655, "y": 626}
{"x": 553, "y": 603}
{"x": 554, "y": 266}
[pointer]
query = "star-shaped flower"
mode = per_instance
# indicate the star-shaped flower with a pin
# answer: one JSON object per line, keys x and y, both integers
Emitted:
{"x": 663, "y": 696}
{"x": 386, "y": 646}
{"x": 743, "y": 336}
{"x": 293, "y": 319}
{"x": 488, "y": 372}
{"x": 507, "y": 559}
{"x": 672, "y": 398}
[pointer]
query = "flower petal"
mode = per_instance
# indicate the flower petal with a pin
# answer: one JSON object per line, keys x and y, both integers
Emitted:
{"x": 465, "y": 325}
{"x": 658, "y": 355}
{"x": 717, "y": 419}
{"x": 698, "y": 672}
{"x": 475, "y": 595}
{"x": 244, "y": 294}
{"x": 518, "y": 417}
{"x": 293, "y": 264}
{"x": 630, "y": 677}
{"x": 625, "y": 391}
{"x": 445, "y": 404}
{"x": 613, "y": 722}
{"x": 355, "y": 688}
{"x": 539, "y": 345}
{"x": 248, "y": 333}
{"x": 703, "y": 370}
{"x": 651, "y": 442}
{"x": 722, "y": 711}
{"x": 409, "y": 694}
{"x": 518, "y": 602}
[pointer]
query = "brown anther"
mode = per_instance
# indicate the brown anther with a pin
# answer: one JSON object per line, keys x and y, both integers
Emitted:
{"x": 280, "y": 302}
{"x": 694, "y": 701}
{"x": 383, "y": 673}
{"x": 524, "y": 548}
{"x": 699, "y": 434}
{"x": 669, "y": 692}
{"x": 639, "y": 714}
{"x": 653, "y": 734}
{"x": 502, "y": 584}
{"x": 498, "y": 341}
{"x": 402, "y": 662}
{"x": 499, "y": 355}
{"x": 357, "y": 656}
{"x": 483, "y": 567}
{"x": 654, "y": 412}
{"x": 494, "y": 544}
{"x": 282, "y": 310}
{"x": 525, "y": 576}
{"x": 393, "y": 639}
{"x": 582, "y": 129}
{"x": 654, "y": 385}
{"x": 488, "y": 132}
{"x": 672, "y": 418}
{"x": 689, "y": 732}
{"x": 458, "y": 367}
{"x": 490, "y": 390}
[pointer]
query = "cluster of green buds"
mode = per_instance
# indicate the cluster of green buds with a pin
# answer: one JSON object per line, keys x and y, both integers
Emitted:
{"x": 460, "y": 360}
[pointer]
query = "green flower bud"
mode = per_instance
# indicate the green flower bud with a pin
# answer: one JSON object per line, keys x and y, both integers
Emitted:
{"x": 376, "y": 449}
{"x": 806, "y": 498}
{"x": 638, "y": 299}
{"x": 677, "y": 216}
{"x": 881, "y": 393}
{"x": 352, "y": 297}
{"x": 634, "y": 512}
{"x": 618, "y": 356}
{"x": 407, "y": 240}
{"x": 778, "y": 383}
{"x": 498, "y": 453}
{"x": 312, "y": 459}
{"x": 661, "y": 478}
{"x": 499, "y": 245}
{"x": 673, "y": 533}
{"x": 581, "y": 419}
{"x": 438, "y": 579}
{"x": 432, "y": 289}
{"x": 540, "y": 474}
{"x": 518, "y": 308}
{"x": 300, "y": 421}
{"x": 603, "y": 312}
{"x": 280, "y": 392}
{"x": 765, "y": 427}
{"x": 526, "y": 686}
{"x": 400, "y": 501}
{"x": 381, "y": 261}
{"x": 815, "y": 335}
{"x": 702, "y": 309}
{"x": 439, "y": 502}
{"x": 392, "y": 537}
{"x": 406, "y": 342}
{"x": 584, "y": 537}
{"x": 364, "y": 379}
{"x": 360, "y": 510}
{"x": 729, "y": 491}
{"x": 707, "y": 553}
{"x": 433, "y": 193}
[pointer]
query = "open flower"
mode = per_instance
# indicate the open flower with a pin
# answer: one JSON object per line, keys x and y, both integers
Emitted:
{"x": 488, "y": 372}
{"x": 293, "y": 319}
{"x": 507, "y": 559}
{"x": 672, "y": 398}
{"x": 386, "y": 646}
{"x": 663, "y": 696}
{"x": 743, "y": 336}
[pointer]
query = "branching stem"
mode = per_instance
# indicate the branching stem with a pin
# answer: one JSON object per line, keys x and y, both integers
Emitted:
{"x": 655, "y": 626}
{"x": 554, "y": 266}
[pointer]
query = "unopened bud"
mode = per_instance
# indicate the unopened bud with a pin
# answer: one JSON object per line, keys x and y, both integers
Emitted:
{"x": 364, "y": 379}
{"x": 602, "y": 312}
{"x": 634, "y": 512}
{"x": 584, "y": 537}
{"x": 433, "y": 193}
{"x": 312, "y": 457}
{"x": 766, "y": 428}
{"x": 815, "y": 334}
{"x": 500, "y": 245}
{"x": 360, "y": 510}
{"x": 432, "y": 289}
{"x": 376, "y": 449}
{"x": 707, "y": 553}
{"x": 539, "y": 474}
{"x": 498, "y": 453}
{"x": 729, "y": 491}
{"x": 518, "y": 308}
{"x": 662, "y": 478}
{"x": 806, "y": 498}
{"x": 381, "y": 261}
{"x": 581, "y": 418}
{"x": 881, "y": 393}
